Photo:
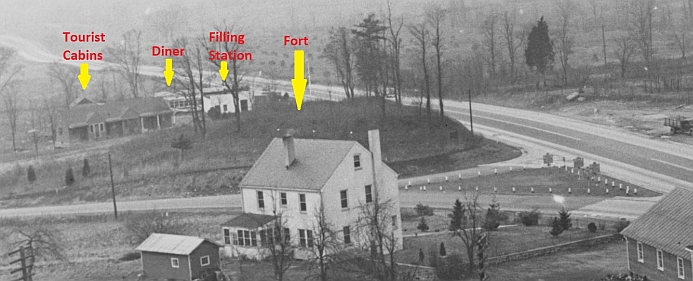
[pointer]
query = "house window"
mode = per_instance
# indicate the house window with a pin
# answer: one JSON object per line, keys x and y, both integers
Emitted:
{"x": 101, "y": 127}
{"x": 302, "y": 202}
{"x": 260, "y": 200}
{"x": 226, "y": 108}
{"x": 660, "y": 260}
{"x": 679, "y": 266}
{"x": 60, "y": 131}
{"x": 641, "y": 258}
{"x": 247, "y": 238}
{"x": 343, "y": 196}
{"x": 305, "y": 238}
{"x": 282, "y": 197}
{"x": 369, "y": 194}
{"x": 174, "y": 263}
{"x": 357, "y": 161}
{"x": 91, "y": 128}
{"x": 394, "y": 222}
{"x": 347, "y": 235}
{"x": 204, "y": 260}
{"x": 287, "y": 236}
{"x": 227, "y": 236}
{"x": 244, "y": 105}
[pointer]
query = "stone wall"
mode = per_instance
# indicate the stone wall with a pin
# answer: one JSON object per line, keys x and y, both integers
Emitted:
{"x": 420, "y": 272}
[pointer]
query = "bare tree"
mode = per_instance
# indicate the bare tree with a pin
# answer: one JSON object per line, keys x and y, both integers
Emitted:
{"x": 10, "y": 100}
{"x": 467, "y": 224}
{"x": 436, "y": 18}
{"x": 233, "y": 86}
{"x": 640, "y": 14}
{"x": 193, "y": 81}
{"x": 488, "y": 29}
{"x": 624, "y": 50}
{"x": 326, "y": 242}
{"x": 50, "y": 109}
{"x": 514, "y": 40}
{"x": 420, "y": 32}
{"x": 565, "y": 10}
{"x": 377, "y": 228}
{"x": 680, "y": 30}
{"x": 396, "y": 43}
{"x": 339, "y": 52}
{"x": 43, "y": 240}
{"x": 167, "y": 21}
{"x": 66, "y": 76}
{"x": 126, "y": 57}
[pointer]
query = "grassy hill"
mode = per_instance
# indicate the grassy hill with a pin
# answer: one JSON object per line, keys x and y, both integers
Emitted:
{"x": 146, "y": 166}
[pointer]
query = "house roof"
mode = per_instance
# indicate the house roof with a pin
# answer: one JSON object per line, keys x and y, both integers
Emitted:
{"x": 667, "y": 225}
{"x": 316, "y": 161}
{"x": 82, "y": 101}
{"x": 249, "y": 221}
{"x": 85, "y": 114}
{"x": 172, "y": 244}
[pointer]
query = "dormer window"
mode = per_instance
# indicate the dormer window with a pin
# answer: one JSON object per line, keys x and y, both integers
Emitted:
{"x": 357, "y": 161}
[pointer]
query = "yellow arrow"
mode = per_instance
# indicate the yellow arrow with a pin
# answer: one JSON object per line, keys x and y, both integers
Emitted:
{"x": 84, "y": 76}
{"x": 168, "y": 73}
{"x": 299, "y": 82}
{"x": 223, "y": 70}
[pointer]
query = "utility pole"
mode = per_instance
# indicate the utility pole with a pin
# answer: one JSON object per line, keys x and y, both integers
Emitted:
{"x": 110, "y": 168}
{"x": 471, "y": 123}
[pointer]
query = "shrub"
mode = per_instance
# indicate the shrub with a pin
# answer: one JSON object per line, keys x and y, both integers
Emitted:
{"x": 141, "y": 225}
{"x": 530, "y": 218}
{"x": 86, "y": 170}
{"x": 452, "y": 269}
{"x": 131, "y": 256}
{"x": 408, "y": 214}
{"x": 565, "y": 220}
{"x": 601, "y": 226}
{"x": 442, "y": 250}
{"x": 422, "y": 256}
{"x": 432, "y": 256}
{"x": 621, "y": 225}
{"x": 69, "y": 177}
{"x": 31, "y": 174}
{"x": 556, "y": 227}
{"x": 592, "y": 227}
{"x": 423, "y": 210}
{"x": 423, "y": 226}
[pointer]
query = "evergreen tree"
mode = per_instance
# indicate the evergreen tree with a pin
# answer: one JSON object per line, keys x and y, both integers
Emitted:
{"x": 442, "y": 250}
{"x": 421, "y": 256}
{"x": 423, "y": 226}
{"x": 565, "y": 220}
{"x": 556, "y": 228}
{"x": 494, "y": 217}
{"x": 86, "y": 170}
{"x": 69, "y": 177}
{"x": 30, "y": 174}
{"x": 457, "y": 216}
{"x": 539, "y": 53}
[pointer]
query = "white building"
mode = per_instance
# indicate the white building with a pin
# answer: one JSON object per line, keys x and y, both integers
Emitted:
{"x": 181, "y": 103}
{"x": 293, "y": 177}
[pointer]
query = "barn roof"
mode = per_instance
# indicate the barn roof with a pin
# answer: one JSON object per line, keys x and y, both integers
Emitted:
{"x": 667, "y": 225}
{"x": 172, "y": 244}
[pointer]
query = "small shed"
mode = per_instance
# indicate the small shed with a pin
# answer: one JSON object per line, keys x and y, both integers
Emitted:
{"x": 177, "y": 257}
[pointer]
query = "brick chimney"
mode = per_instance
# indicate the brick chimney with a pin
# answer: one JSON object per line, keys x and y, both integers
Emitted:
{"x": 374, "y": 147}
{"x": 289, "y": 149}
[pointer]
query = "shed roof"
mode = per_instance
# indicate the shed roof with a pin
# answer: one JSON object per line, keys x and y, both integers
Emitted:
{"x": 172, "y": 244}
{"x": 250, "y": 221}
{"x": 667, "y": 225}
{"x": 316, "y": 161}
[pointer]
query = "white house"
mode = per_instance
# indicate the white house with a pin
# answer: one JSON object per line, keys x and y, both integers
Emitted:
{"x": 293, "y": 178}
{"x": 220, "y": 98}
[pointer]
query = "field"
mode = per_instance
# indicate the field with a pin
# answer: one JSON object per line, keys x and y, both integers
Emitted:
{"x": 147, "y": 166}
{"x": 557, "y": 179}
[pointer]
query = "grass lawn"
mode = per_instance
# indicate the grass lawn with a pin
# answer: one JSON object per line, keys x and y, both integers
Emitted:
{"x": 592, "y": 265}
{"x": 506, "y": 240}
{"x": 145, "y": 166}
{"x": 559, "y": 180}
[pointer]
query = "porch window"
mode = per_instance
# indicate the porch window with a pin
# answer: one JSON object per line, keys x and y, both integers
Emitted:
{"x": 247, "y": 238}
{"x": 227, "y": 236}
{"x": 174, "y": 263}
{"x": 680, "y": 268}
{"x": 660, "y": 260}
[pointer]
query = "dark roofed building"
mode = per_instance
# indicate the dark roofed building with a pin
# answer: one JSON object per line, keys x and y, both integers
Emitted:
{"x": 658, "y": 241}
{"x": 87, "y": 121}
{"x": 177, "y": 257}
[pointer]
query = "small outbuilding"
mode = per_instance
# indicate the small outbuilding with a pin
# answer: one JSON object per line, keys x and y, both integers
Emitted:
{"x": 177, "y": 257}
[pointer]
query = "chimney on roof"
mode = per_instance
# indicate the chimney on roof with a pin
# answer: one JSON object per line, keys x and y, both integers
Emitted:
{"x": 374, "y": 147}
{"x": 289, "y": 149}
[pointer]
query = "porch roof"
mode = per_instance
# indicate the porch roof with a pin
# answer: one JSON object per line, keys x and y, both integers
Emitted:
{"x": 249, "y": 221}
